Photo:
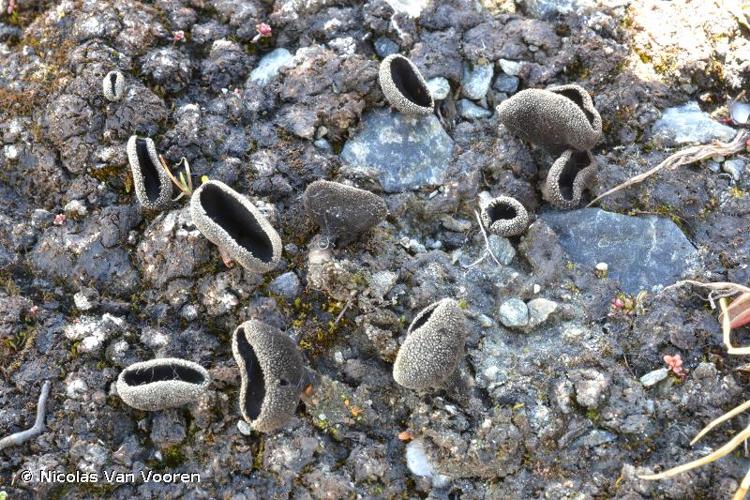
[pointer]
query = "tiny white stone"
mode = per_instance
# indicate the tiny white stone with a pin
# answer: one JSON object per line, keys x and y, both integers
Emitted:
{"x": 244, "y": 428}
{"x": 654, "y": 377}
{"x": 602, "y": 267}
{"x": 81, "y": 302}
{"x": 416, "y": 459}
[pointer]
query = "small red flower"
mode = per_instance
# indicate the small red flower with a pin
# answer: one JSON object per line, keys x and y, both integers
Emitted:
{"x": 674, "y": 363}
{"x": 264, "y": 30}
{"x": 178, "y": 36}
{"x": 59, "y": 220}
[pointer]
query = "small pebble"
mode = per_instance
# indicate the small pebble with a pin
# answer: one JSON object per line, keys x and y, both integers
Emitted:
{"x": 514, "y": 313}
{"x": 439, "y": 88}
{"x": 244, "y": 428}
{"x": 654, "y": 377}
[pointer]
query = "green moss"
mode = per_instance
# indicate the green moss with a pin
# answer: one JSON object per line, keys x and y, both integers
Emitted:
{"x": 172, "y": 456}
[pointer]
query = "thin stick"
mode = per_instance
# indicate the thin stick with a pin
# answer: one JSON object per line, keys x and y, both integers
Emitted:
{"x": 730, "y": 414}
{"x": 685, "y": 156}
{"x": 718, "y": 286}
{"x": 486, "y": 239}
{"x": 721, "y": 452}
{"x": 744, "y": 486}
{"x": 38, "y": 427}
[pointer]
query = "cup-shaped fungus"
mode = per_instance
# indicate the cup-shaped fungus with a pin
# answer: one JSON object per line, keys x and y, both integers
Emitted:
{"x": 343, "y": 212}
{"x": 162, "y": 383}
{"x": 404, "y": 86}
{"x": 153, "y": 188}
{"x": 113, "y": 86}
{"x": 505, "y": 216}
{"x": 557, "y": 118}
{"x": 272, "y": 375}
{"x": 236, "y": 226}
{"x": 433, "y": 347}
{"x": 568, "y": 177}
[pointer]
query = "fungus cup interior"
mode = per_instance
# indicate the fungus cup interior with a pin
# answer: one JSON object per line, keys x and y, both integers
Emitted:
{"x": 578, "y": 161}
{"x": 576, "y": 96}
{"x": 408, "y": 82}
{"x": 148, "y": 169}
{"x": 226, "y": 211}
{"x": 163, "y": 373}
{"x": 501, "y": 211}
{"x": 255, "y": 391}
{"x": 423, "y": 317}
{"x": 113, "y": 82}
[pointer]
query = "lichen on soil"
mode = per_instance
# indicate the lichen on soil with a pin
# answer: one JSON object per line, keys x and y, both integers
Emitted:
{"x": 551, "y": 402}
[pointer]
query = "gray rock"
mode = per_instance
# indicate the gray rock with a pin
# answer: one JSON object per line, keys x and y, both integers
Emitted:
{"x": 502, "y": 248}
{"x": 476, "y": 81}
{"x": 439, "y": 87}
{"x": 688, "y": 124}
{"x": 590, "y": 386}
{"x": 512, "y": 68}
{"x": 514, "y": 313}
{"x": 654, "y": 377}
{"x": 407, "y": 153}
{"x": 543, "y": 9}
{"x": 642, "y": 252}
{"x": 540, "y": 310}
{"x": 735, "y": 168}
{"x": 385, "y": 46}
{"x": 471, "y": 111}
{"x": 506, "y": 83}
{"x": 287, "y": 285}
{"x": 270, "y": 65}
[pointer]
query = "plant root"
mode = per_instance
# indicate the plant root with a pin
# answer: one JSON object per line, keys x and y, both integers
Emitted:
{"x": 685, "y": 156}
{"x": 38, "y": 427}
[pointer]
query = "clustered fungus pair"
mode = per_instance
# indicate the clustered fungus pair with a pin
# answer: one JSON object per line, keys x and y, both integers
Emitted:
{"x": 271, "y": 371}
{"x": 563, "y": 120}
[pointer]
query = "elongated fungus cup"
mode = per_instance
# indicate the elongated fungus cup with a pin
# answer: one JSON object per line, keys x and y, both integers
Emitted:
{"x": 162, "y": 383}
{"x": 236, "y": 226}
{"x": 433, "y": 347}
{"x": 153, "y": 188}
{"x": 568, "y": 177}
{"x": 272, "y": 375}
{"x": 343, "y": 212}
{"x": 505, "y": 216}
{"x": 404, "y": 86}
{"x": 113, "y": 86}
{"x": 557, "y": 118}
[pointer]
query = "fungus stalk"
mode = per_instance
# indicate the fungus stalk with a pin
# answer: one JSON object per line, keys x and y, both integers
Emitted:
{"x": 38, "y": 427}
{"x": 685, "y": 156}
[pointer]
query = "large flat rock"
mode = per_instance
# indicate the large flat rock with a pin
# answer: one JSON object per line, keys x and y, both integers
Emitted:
{"x": 687, "y": 124}
{"x": 642, "y": 252}
{"x": 408, "y": 153}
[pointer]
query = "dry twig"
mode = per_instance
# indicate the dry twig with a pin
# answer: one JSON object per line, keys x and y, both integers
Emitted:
{"x": 685, "y": 156}
{"x": 38, "y": 427}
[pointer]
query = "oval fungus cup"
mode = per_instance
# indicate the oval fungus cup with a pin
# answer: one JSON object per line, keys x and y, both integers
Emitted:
{"x": 113, "y": 86}
{"x": 433, "y": 347}
{"x": 272, "y": 375}
{"x": 404, "y": 86}
{"x": 153, "y": 188}
{"x": 571, "y": 173}
{"x": 230, "y": 221}
{"x": 162, "y": 383}
{"x": 343, "y": 212}
{"x": 558, "y": 118}
{"x": 505, "y": 216}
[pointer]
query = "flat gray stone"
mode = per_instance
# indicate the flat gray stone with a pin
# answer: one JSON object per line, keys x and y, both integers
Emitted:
{"x": 642, "y": 252}
{"x": 270, "y": 65}
{"x": 539, "y": 310}
{"x": 471, "y": 111}
{"x": 476, "y": 81}
{"x": 688, "y": 124}
{"x": 439, "y": 87}
{"x": 385, "y": 46}
{"x": 513, "y": 313}
{"x": 545, "y": 9}
{"x": 507, "y": 84}
{"x": 502, "y": 248}
{"x": 407, "y": 153}
{"x": 654, "y": 377}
